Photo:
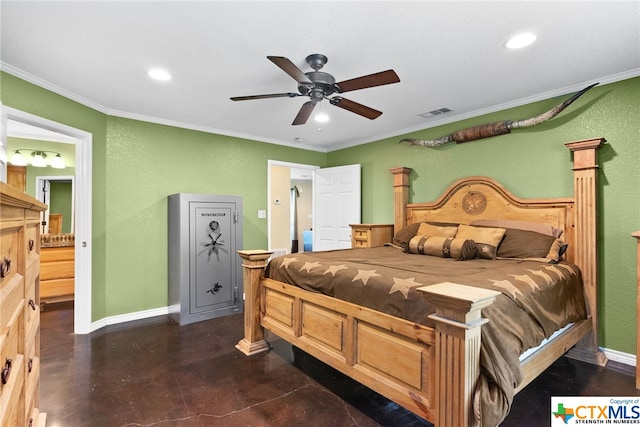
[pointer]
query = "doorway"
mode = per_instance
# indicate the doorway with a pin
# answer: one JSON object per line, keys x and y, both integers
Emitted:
{"x": 289, "y": 205}
{"x": 83, "y": 204}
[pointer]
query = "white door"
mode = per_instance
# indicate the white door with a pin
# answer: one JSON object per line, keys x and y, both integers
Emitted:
{"x": 336, "y": 204}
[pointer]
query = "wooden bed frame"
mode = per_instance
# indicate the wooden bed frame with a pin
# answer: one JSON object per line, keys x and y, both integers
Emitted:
{"x": 431, "y": 371}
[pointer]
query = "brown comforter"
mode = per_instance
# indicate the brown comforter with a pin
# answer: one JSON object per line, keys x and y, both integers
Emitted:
{"x": 536, "y": 300}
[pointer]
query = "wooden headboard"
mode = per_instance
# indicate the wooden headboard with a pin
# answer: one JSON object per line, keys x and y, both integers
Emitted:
{"x": 479, "y": 197}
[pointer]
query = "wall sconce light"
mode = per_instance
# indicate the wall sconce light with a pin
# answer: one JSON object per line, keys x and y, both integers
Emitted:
{"x": 38, "y": 159}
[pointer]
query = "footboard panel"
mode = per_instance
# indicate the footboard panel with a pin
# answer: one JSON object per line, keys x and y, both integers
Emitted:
{"x": 392, "y": 356}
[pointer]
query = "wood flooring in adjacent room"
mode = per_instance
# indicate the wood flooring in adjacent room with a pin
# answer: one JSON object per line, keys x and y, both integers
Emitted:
{"x": 156, "y": 373}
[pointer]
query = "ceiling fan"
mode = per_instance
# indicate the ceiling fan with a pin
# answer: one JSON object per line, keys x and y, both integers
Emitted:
{"x": 318, "y": 85}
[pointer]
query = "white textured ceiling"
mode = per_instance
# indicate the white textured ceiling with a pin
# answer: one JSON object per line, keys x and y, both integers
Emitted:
{"x": 447, "y": 54}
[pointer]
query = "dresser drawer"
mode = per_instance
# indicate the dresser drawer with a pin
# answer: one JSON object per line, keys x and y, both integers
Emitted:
{"x": 11, "y": 297}
{"x": 32, "y": 367}
{"x": 12, "y": 397}
{"x": 32, "y": 246}
{"x": 10, "y": 348}
{"x": 37, "y": 418}
{"x": 32, "y": 307}
{"x": 10, "y": 256}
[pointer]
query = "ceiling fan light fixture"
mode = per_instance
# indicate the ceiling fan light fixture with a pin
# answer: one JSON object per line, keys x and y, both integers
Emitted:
{"x": 322, "y": 117}
{"x": 520, "y": 40}
{"x": 159, "y": 74}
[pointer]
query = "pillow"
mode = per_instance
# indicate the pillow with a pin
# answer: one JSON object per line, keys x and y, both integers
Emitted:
{"x": 427, "y": 229}
{"x": 402, "y": 237}
{"x": 487, "y": 239}
{"x": 556, "y": 251}
{"x": 525, "y": 244}
{"x": 547, "y": 229}
{"x": 443, "y": 247}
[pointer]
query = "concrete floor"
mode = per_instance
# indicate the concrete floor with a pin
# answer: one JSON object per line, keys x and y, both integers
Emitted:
{"x": 157, "y": 373}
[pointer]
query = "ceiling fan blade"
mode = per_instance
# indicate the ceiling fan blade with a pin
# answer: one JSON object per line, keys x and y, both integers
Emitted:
{"x": 354, "y": 107}
{"x": 371, "y": 80}
{"x": 270, "y": 95}
{"x": 290, "y": 68}
{"x": 304, "y": 113}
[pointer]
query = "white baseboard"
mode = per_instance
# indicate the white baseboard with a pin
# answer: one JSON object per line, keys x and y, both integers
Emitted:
{"x": 620, "y": 357}
{"x": 128, "y": 317}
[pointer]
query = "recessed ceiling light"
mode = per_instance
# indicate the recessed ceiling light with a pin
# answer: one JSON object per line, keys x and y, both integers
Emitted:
{"x": 159, "y": 74}
{"x": 520, "y": 40}
{"x": 298, "y": 139}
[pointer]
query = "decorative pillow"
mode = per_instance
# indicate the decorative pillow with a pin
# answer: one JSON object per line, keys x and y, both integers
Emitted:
{"x": 557, "y": 250}
{"x": 547, "y": 229}
{"x": 443, "y": 247}
{"x": 487, "y": 239}
{"x": 525, "y": 244}
{"x": 427, "y": 229}
{"x": 402, "y": 237}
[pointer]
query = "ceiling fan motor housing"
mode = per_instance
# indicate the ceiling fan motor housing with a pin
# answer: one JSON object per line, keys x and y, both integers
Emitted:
{"x": 323, "y": 85}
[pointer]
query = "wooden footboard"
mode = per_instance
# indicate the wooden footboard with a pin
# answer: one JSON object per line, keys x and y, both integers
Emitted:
{"x": 428, "y": 371}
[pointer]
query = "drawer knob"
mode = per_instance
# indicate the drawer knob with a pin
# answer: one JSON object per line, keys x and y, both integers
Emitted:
{"x": 32, "y": 304}
{"x": 6, "y": 371}
{"x": 5, "y": 267}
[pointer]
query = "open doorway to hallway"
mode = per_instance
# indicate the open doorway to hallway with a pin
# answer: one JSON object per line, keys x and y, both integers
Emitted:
{"x": 290, "y": 206}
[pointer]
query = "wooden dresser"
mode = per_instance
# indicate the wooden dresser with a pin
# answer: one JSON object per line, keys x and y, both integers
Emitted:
{"x": 19, "y": 308}
{"x": 370, "y": 235}
{"x": 57, "y": 267}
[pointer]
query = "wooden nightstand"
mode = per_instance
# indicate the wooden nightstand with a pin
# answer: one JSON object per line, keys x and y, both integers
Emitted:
{"x": 370, "y": 235}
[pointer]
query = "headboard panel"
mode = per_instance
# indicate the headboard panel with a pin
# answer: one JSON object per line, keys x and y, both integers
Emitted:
{"x": 478, "y": 197}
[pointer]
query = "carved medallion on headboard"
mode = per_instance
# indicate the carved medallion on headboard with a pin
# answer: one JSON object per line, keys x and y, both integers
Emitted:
{"x": 474, "y": 202}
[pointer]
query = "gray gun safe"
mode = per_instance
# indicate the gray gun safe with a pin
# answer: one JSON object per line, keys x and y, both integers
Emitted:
{"x": 205, "y": 271}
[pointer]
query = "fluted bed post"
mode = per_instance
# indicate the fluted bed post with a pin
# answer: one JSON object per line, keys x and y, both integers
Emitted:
{"x": 253, "y": 264}
{"x": 400, "y": 196}
{"x": 458, "y": 320}
{"x": 585, "y": 170}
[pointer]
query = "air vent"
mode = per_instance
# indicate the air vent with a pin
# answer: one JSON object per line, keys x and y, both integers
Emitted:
{"x": 432, "y": 113}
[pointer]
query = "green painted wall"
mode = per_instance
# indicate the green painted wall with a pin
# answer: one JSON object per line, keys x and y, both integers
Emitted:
{"x": 136, "y": 165}
{"x": 534, "y": 162}
{"x": 174, "y": 160}
{"x": 129, "y": 206}
{"x": 61, "y": 202}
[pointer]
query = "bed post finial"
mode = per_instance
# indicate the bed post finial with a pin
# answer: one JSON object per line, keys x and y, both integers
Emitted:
{"x": 400, "y": 196}
{"x": 585, "y": 196}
